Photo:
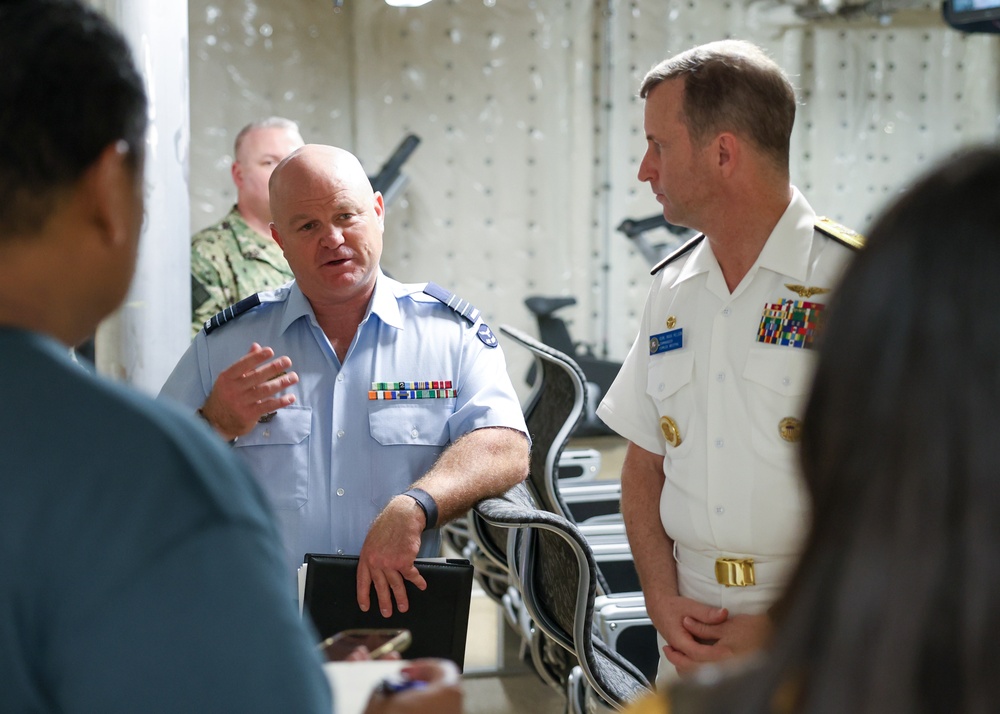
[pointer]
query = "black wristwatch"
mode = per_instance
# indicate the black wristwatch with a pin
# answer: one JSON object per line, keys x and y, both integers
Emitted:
{"x": 427, "y": 504}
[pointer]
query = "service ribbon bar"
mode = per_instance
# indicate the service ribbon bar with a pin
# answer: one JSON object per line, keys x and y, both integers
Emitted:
{"x": 412, "y": 393}
{"x": 410, "y": 386}
{"x": 793, "y": 323}
{"x": 413, "y": 390}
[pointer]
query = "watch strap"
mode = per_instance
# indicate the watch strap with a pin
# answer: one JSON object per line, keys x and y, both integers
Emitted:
{"x": 427, "y": 504}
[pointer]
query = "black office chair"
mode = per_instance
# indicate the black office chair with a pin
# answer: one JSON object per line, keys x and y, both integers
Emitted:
{"x": 600, "y": 373}
{"x": 492, "y": 550}
{"x": 552, "y": 414}
{"x": 555, "y": 571}
{"x": 555, "y": 409}
{"x": 488, "y": 554}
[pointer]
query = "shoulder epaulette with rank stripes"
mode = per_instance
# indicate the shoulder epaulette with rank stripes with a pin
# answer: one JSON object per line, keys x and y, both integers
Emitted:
{"x": 841, "y": 234}
{"x": 231, "y": 313}
{"x": 687, "y": 247}
{"x": 462, "y": 307}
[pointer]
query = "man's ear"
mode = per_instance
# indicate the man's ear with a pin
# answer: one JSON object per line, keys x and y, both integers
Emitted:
{"x": 106, "y": 194}
{"x": 277, "y": 237}
{"x": 728, "y": 151}
{"x": 380, "y": 208}
{"x": 236, "y": 171}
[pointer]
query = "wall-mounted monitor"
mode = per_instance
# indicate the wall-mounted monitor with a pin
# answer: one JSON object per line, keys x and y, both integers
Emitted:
{"x": 972, "y": 15}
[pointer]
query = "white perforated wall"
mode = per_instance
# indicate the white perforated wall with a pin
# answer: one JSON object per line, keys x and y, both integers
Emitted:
{"x": 532, "y": 134}
{"x": 255, "y": 59}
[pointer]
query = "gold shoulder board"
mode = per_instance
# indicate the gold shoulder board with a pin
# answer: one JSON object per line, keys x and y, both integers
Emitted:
{"x": 840, "y": 233}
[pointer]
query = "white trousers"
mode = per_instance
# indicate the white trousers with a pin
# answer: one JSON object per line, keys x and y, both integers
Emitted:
{"x": 696, "y": 580}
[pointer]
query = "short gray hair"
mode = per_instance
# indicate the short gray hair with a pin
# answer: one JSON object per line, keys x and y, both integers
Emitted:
{"x": 266, "y": 123}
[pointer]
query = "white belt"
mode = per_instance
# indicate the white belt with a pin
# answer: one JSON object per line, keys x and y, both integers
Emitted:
{"x": 736, "y": 570}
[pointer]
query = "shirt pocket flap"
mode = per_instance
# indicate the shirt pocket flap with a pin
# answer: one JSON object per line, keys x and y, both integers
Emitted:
{"x": 667, "y": 373}
{"x": 786, "y": 371}
{"x": 290, "y": 425}
{"x": 410, "y": 423}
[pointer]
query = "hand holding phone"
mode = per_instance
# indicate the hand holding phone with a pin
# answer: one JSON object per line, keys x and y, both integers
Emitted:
{"x": 424, "y": 686}
{"x": 364, "y": 644}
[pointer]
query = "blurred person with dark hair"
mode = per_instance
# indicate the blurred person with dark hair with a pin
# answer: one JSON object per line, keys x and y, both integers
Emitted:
{"x": 893, "y": 609}
{"x": 710, "y": 396}
{"x": 236, "y": 257}
{"x": 141, "y": 566}
{"x": 141, "y": 570}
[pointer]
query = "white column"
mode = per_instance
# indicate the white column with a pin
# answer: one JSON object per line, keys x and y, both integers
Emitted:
{"x": 142, "y": 341}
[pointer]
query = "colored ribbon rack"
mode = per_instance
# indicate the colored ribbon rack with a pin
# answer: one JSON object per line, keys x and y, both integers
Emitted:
{"x": 412, "y": 390}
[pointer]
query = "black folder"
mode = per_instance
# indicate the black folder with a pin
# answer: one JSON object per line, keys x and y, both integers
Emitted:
{"x": 438, "y": 617}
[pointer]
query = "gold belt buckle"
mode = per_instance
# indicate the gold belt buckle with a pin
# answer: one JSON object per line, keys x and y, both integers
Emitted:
{"x": 735, "y": 572}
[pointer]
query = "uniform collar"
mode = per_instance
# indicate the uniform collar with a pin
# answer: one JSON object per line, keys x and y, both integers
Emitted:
{"x": 786, "y": 251}
{"x": 383, "y": 304}
{"x": 296, "y": 306}
{"x": 701, "y": 260}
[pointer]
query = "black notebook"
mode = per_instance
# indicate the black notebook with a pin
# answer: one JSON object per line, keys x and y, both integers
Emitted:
{"x": 438, "y": 617}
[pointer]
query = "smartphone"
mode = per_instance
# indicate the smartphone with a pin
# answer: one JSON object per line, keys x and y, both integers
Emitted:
{"x": 378, "y": 642}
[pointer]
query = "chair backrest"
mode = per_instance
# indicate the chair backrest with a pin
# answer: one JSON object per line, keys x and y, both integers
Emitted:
{"x": 496, "y": 545}
{"x": 556, "y": 407}
{"x": 491, "y": 540}
{"x": 557, "y": 576}
{"x": 553, "y": 330}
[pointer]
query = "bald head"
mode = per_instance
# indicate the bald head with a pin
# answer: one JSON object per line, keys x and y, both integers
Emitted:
{"x": 328, "y": 221}
{"x": 317, "y": 162}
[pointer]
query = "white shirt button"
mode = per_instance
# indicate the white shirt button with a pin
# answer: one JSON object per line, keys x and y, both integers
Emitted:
{"x": 340, "y": 434}
{"x": 340, "y": 378}
{"x": 727, "y": 311}
{"x": 414, "y": 433}
{"x": 267, "y": 433}
{"x": 340, "y": 492}
{"x": 786, "y": 381}
{"x": 720, "y": 510}
{"x": 340, "y": 551}
{"x": 661, "y": 387}
{"x": 719, "y": 443}
{"x": 720, "y": 377}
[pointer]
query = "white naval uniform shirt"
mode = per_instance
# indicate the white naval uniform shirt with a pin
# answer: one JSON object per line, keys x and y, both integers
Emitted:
{"x": 731, "y": 486}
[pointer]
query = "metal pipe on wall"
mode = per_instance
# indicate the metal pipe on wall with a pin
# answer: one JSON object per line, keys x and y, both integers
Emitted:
{"x": 606, "y": 151}
{"x": 142, "y": 341}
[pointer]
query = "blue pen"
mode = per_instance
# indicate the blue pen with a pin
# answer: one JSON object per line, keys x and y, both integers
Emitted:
{"x": 401, "y": 683}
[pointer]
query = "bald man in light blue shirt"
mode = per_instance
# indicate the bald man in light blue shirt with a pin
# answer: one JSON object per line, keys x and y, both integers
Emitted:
{"x": 379, "y": 387}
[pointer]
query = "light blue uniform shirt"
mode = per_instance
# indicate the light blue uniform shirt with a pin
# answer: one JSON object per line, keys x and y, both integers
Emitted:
{"x": 331, "y": 462}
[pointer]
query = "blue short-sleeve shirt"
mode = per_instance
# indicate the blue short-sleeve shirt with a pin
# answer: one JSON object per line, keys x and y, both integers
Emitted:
{"x": 332, "y": 461}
